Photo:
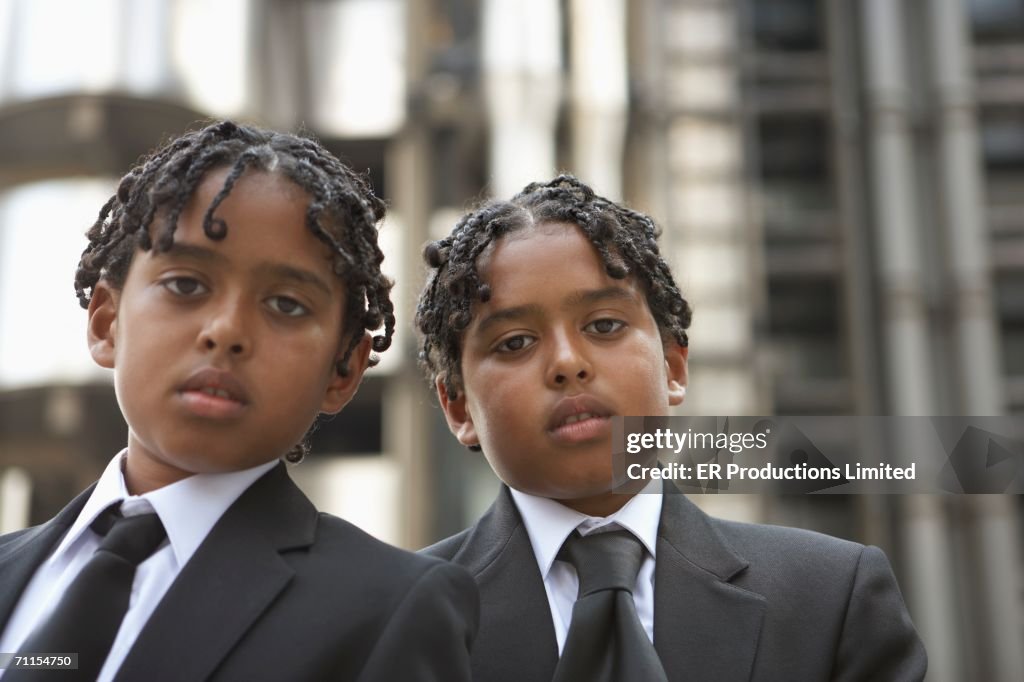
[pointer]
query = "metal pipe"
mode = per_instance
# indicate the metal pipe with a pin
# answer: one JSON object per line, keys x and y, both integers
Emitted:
{"x": 906, "y": 347}
{"x": 993, "y": 523}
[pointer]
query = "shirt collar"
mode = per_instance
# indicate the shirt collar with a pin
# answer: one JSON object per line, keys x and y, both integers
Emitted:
{"x": 549, "y": 523}
{"x": 188, "y": 508}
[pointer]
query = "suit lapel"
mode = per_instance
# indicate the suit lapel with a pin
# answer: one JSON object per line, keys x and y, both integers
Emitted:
{"x": 22, "y": 556}
{"x": 704, "y": 626}
{"x": 515, "y": 624}
{"x": 230, "y": 581}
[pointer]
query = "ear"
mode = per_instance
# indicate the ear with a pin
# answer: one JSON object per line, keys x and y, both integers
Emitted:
{"x": 676, "y": 372}
{"x": 101, "y": 330}
{"x": 460, "y": 421}
{"x": 342, "y": 388}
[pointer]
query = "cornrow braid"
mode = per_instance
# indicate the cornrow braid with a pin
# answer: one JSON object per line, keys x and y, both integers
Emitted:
{"x": 343, "y": 213}
{"x": 625, "y": 240}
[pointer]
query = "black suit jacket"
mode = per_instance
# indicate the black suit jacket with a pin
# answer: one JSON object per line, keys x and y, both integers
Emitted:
{"x": 279, "y": 591}
{"x": 733, "y": 602}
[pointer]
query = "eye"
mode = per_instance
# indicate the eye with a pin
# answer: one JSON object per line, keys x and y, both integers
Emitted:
{"x": 605, "y": 326}
{"x": 287, "y": 306}
{"x": 184, "y": 286}
{"x": 515, "y": 343}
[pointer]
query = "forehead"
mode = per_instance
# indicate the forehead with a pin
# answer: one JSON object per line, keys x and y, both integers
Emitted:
{"x": 265, "y": 219}
{"x": 537, "y": 250}
{"x": 259, "y": 205}
{"x": 547, "y": 261}
{"x": 255, "y": 188}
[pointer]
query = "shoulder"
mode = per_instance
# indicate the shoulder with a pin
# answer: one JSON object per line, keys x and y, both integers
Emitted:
{"x": 823, "y": 593}
{"x": 774, "y": 561}
{"x": 354, "y": 607}
{"x": 320, "y": 547}
{"x": 361, "y": 584}
{"x": 447, "y": 549}
{"x": 17, "y": 543}
{"x": 807, "y": 569}
{"x": 47, "y": 532}
{"x": 805, "y": 559}
{"x": 755, "y": 540}
{"x": 497, "y": 533}
{"x": 339, "y": 542}
{"x": 10, "y": 539}
{"x": 755, "y": 554}
{"x": 59, "y": 523}
{"x": 417, "y": 615}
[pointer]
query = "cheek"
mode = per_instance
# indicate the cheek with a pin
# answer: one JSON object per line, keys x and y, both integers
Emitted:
{"x": 485, "y": 407}
{"x": 644, "y": 376}
{"x": 298, "y": 365}
{"x": 142, "y": 351}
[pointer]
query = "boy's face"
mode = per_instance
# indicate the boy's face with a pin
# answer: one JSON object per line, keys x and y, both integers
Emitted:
{"x": 224, "y": 351}
{"x": 559, "y": 349}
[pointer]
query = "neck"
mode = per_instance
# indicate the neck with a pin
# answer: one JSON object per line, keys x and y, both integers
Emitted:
{"x": 143, "y": 474}
{"x": 605, "y": 504}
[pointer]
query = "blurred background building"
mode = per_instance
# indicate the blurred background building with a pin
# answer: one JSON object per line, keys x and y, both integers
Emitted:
{"x": 840, "y": 182}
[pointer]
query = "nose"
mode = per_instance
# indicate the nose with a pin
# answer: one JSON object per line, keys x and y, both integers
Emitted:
{"x": 569, "y": 362}
{"x": 226, "y": 330}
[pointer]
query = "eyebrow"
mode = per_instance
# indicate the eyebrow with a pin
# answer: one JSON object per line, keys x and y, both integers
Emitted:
{"x": 290, "y": 272}
{"x": 609, "y": 293}
{"x": 192, "y": 252}
{"x": 585, "y": 296}
{"x": 506, "y": 314}
{"x": 267, "y": 269}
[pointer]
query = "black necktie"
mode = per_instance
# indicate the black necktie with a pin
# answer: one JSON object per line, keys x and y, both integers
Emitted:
{"x": 606, "y": 642}
{"x": 88, "y": 616}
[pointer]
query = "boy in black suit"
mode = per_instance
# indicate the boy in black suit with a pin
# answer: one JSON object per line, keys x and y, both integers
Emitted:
{"x": 232, "y": 284}
{"x": 543, "y": 317}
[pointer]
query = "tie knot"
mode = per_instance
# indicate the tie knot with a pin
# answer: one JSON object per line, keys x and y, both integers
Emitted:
{"x": 133, "y": 538}
{"x": 604, "y": 561}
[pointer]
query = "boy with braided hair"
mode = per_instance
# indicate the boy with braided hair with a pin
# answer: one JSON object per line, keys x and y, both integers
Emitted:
{"x": 233, "y": 284}
{"x": 543, "y": 317}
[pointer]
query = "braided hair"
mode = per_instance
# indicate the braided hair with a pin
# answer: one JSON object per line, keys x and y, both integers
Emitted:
{"x": 625, "y": 240}
{"x": 343, "y": 213}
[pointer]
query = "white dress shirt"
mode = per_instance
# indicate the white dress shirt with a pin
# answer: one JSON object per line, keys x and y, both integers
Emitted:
{"x": 549, "y": 523}
{"x": 188, "y": 509}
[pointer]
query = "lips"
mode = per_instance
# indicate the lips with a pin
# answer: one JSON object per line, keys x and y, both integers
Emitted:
{"x": 213, "y": 393}
{"x": 579, "y": 418}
